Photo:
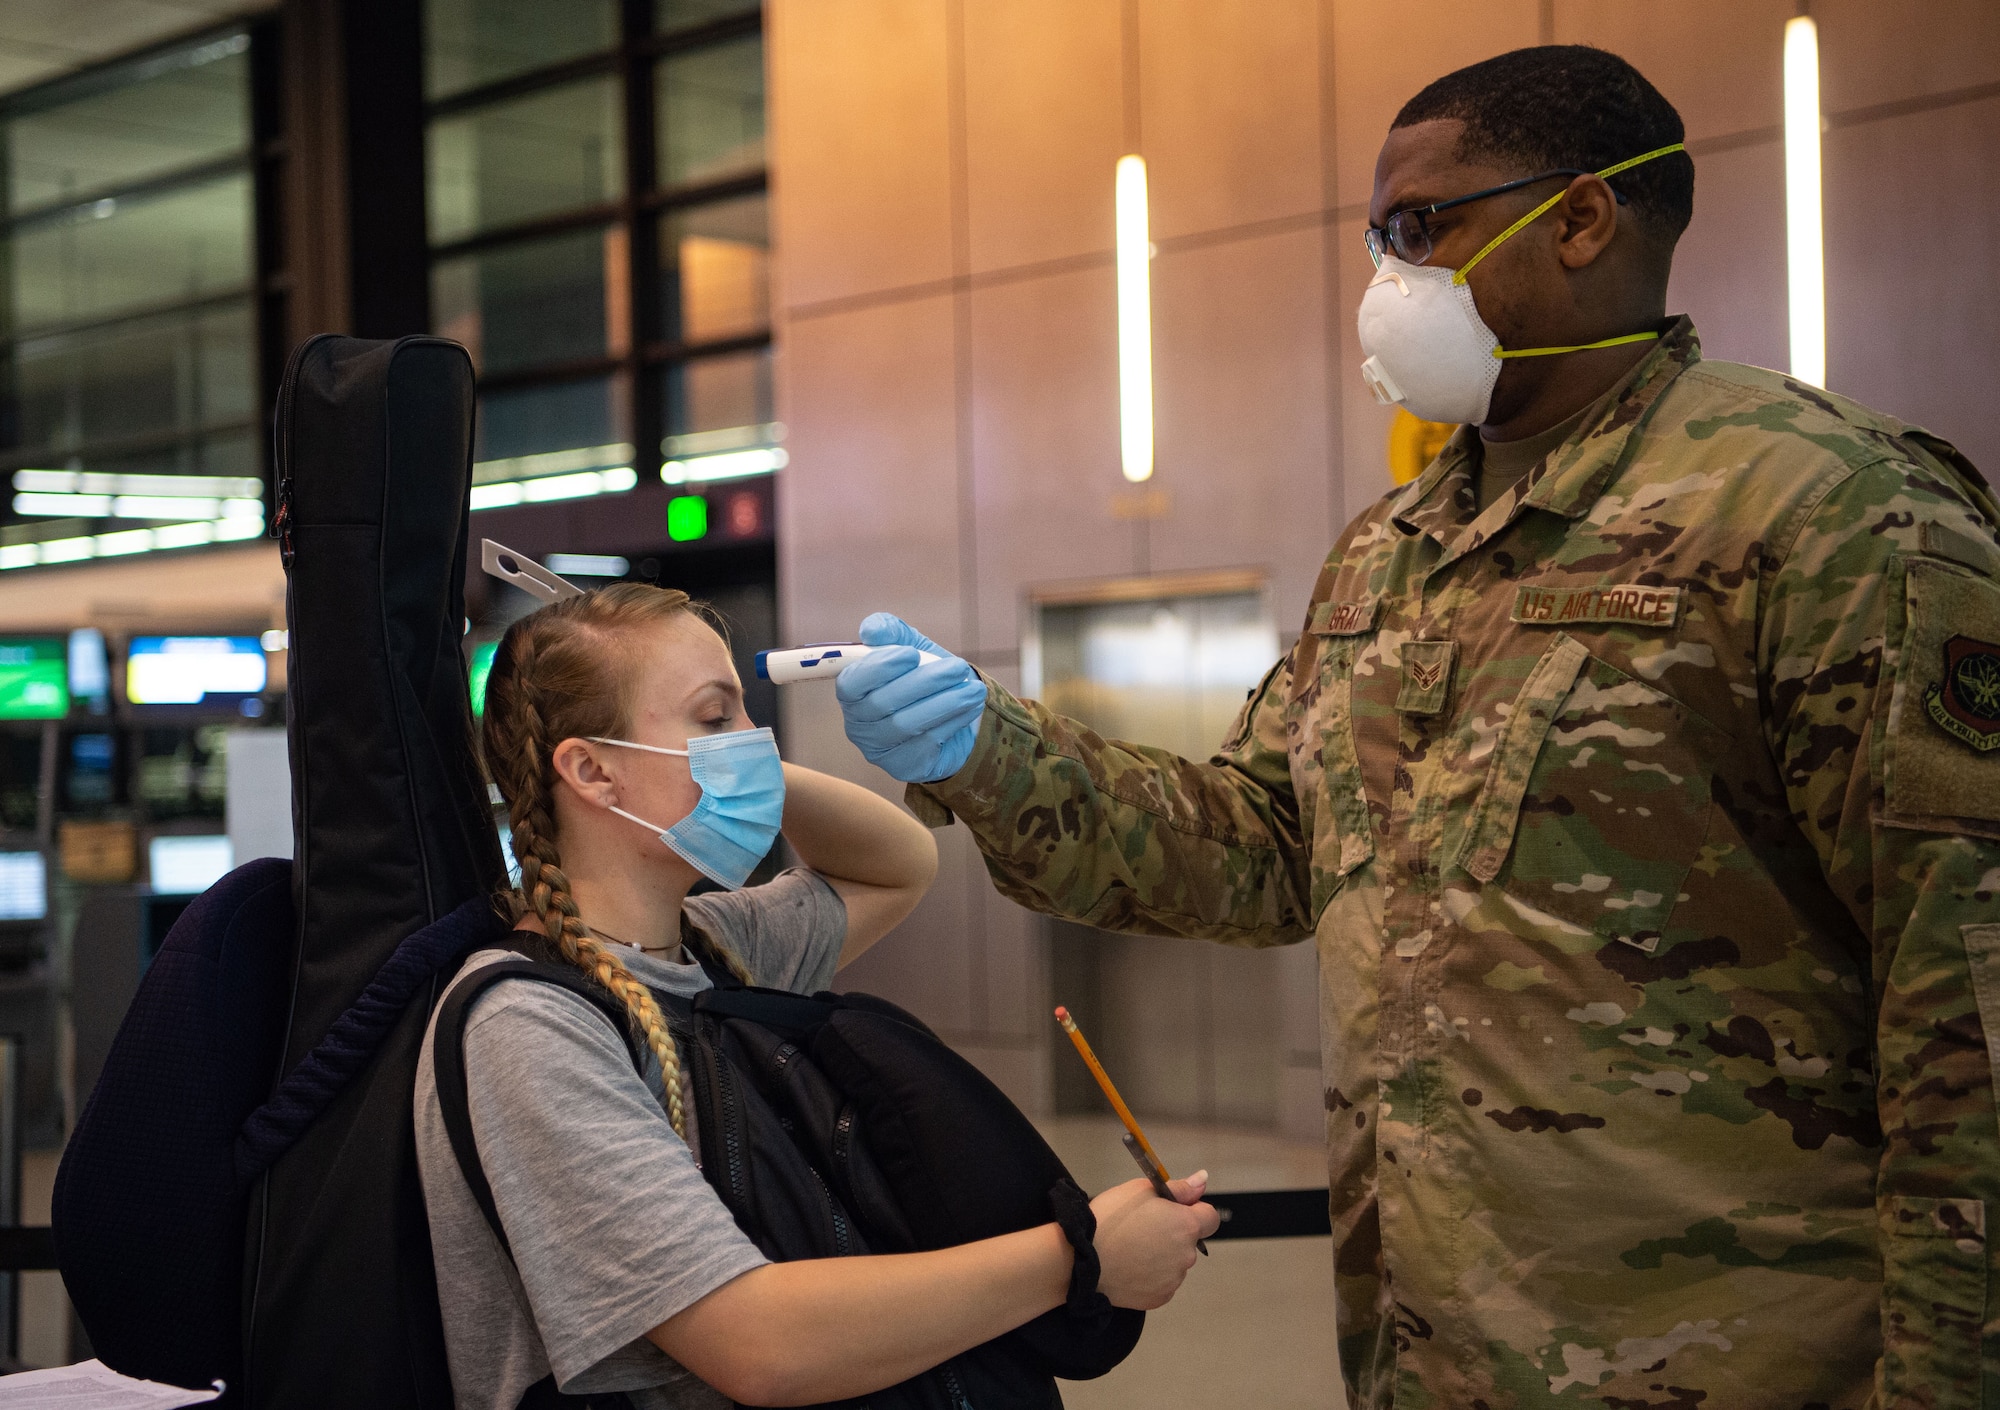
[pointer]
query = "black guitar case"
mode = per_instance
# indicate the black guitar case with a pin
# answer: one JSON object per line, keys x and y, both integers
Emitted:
{"x": 374, "y": 466}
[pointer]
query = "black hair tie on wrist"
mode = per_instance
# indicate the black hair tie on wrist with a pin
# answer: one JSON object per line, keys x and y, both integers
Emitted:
{"x": 1079, "y": 1225}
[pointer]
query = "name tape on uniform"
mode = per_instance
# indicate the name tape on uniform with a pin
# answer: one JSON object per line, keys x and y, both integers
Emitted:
{"x": 1625, "y": 606}
{"x": 1345, "y": 618}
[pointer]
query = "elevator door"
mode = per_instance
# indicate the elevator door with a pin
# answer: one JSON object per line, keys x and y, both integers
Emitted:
{"x": 1191, "y": 1030}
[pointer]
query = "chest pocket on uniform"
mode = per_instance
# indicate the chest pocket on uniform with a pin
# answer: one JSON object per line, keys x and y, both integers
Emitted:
{"x": 1326, "y": 771}
{"x": 1596, "y": 799}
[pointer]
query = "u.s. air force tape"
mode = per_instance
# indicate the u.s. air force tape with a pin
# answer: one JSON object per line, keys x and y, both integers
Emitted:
{"x": 1622, "y": 606}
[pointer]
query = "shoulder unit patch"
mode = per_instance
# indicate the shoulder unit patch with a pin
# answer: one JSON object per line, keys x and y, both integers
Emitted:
{"x": 1965, "y": 700}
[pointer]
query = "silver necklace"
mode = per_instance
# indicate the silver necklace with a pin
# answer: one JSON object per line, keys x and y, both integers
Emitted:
{"x": 642, "y": 949}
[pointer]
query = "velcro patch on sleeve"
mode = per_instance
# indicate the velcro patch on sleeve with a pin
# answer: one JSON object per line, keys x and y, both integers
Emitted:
{"x": 1345, "y": 618}
{"x": 1615, "y": 605}
{"x": 1941, "y": 757}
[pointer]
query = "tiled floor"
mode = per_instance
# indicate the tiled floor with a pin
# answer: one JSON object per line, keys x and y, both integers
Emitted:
{"x": 1253, "y": 1324}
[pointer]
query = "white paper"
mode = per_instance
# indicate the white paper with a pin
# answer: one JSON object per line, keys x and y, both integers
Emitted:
{"x": 92, "y": 1385}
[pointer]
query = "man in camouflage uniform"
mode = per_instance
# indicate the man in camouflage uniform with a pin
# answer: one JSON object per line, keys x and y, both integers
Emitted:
{"x": 1647, "y": 819}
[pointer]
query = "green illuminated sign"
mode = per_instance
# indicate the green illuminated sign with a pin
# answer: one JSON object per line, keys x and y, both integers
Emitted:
{"x": 34, "y": 678}
{"x": 482, "y": 667}
{"x": 687, "y": 518}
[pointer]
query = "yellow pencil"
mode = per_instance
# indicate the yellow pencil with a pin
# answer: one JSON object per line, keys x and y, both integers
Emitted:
{"x": 1135, "y": 1139}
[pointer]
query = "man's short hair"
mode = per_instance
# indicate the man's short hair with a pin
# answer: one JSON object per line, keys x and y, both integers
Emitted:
{"x": 1568, "y": 105}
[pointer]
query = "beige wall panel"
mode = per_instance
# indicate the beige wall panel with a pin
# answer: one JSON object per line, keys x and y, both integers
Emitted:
{"x": 1298, "y": 1003}
{"x": 859, "y": 113}
{"x": 868, "y": 516}
{"x": 1043, "y": 127}
{"x": 812, "y": 736}
{"x": 1383, "y": 54}
{"x": 1229, "y": 111}
{"x": 1718, "y": 61}
{"x": 1240, "y": 389}
{"x": 1364, "y": 422}
{"x": 1187, "y": 1028}
{"x": 1883, "y": 51}
{"x": 1301, "y": 1103}
{"x": 1045, "y": 440}
{"x": 1911, "y": 328}
{"x": 1729, "y": 269}
{"x": 1011, "y": 1001}
{"x": 926, "y": 963}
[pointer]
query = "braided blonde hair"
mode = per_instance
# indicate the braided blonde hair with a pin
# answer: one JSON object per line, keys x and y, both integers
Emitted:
{"x": 565, "y": 672}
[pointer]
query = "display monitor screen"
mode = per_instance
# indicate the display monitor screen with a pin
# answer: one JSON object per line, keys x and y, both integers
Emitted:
{"x": 185, "y": 865}
{"x": 34, "y": 678}
{"x": 24, "y": 886}
{"x": 89, "y": 665}
{"x": 482, "y": 667}
{"x": 193, "y": 670}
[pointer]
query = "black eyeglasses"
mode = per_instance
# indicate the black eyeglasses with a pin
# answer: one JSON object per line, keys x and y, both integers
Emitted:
{"x": 1408, "y": 233}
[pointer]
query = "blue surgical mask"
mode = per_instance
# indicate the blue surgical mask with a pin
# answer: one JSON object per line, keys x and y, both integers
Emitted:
{"x": 742, "y": 804}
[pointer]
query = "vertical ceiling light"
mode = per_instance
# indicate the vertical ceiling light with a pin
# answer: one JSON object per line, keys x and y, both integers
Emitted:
{"x": 1804, "y": 253}
{"x": 1135, "y": 322}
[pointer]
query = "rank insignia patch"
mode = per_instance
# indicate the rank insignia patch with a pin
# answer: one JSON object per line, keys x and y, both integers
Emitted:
{"x": 1966, "y": 703}
{"x": 1426, "y": 676}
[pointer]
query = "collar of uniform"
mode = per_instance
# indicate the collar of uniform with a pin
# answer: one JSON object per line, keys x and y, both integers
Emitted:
{"x": 1573, "y": 477}
{"x": 1442, "y": 497}
{"x": 1576, "y": 473}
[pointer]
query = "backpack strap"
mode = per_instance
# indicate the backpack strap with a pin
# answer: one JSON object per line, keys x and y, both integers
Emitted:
{"x": 448, "y": 1051}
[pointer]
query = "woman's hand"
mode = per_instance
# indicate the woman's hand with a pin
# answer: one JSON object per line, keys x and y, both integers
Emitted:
{"x": 1145, "y": 1244}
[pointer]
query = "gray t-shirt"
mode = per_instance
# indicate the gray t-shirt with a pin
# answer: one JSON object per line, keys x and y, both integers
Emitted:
{"x": 612, "y": 1226}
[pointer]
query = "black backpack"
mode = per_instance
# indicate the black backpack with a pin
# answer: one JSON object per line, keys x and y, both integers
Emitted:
{"x": 240, "y": 1200}
{"x": 835, "y": 1125}
{"x": 155, "y": 1184}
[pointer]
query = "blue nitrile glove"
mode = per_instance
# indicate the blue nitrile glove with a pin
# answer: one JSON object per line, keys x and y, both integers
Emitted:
{"x": 916, "y": 722}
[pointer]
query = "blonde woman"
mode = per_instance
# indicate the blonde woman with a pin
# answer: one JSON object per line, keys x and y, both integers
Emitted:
{"x": 615, "y": 731}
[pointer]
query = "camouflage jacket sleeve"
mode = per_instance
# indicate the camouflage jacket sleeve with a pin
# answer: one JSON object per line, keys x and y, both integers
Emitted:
{"x": 1892, "y": 770}
{"x": 1134, "y": 838}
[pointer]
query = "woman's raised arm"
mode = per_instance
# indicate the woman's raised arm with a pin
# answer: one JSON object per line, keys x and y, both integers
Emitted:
{"x": 876, "y": 856}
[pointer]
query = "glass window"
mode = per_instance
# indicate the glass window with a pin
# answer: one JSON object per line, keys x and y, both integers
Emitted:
{"x": 471, "y": 43}
{"x": 681, "y": 14}
{"x": 715, "y": 271}
{"x": 162, "y": 376}
{"x": 566, "y": 416}
{"x": 521, "y": 279}
{"x": 720, "y": 393}
{"x": 128, "y": 340}
{"x": 514, "y": 161}
{"x": 711, "y": 113}
{"x": 117, "y": 255}
{"x": 177, "y": 111}
{"x": 537, "y": 302}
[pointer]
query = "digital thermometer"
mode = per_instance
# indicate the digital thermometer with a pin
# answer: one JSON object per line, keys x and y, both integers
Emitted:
{"x": 821, "y": 661}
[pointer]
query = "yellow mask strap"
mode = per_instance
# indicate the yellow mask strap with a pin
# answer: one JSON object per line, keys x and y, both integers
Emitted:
{"x": 1577, "y": 347}
{"x": 1458, "y": 275}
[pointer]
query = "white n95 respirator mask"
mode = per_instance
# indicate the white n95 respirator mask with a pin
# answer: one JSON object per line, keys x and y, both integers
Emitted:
{"x": 1428, "y": 349}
